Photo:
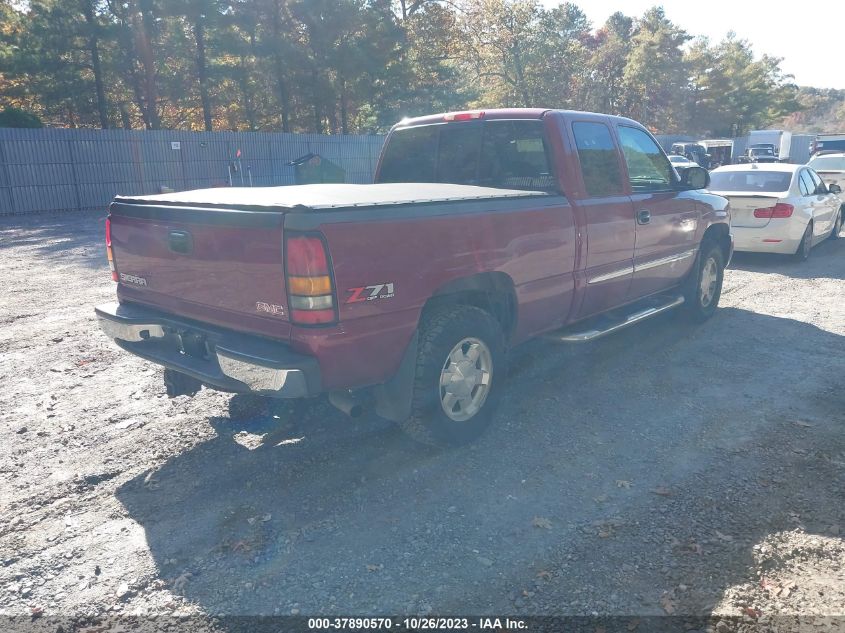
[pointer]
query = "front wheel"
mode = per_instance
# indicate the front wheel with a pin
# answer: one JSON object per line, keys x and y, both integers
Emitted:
{"x": 459, "y": 375}
{"x": 704, "y": 287}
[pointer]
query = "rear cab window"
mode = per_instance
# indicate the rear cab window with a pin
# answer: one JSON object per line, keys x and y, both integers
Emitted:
{"x": 504, "y": 154}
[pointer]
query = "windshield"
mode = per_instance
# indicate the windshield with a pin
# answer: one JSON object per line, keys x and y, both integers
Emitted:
{"x": 828, "y": 163}
{"x": 762, "y": 151}
{"x": 503, "y": 154}
{"x": 678, "y": 159}
{"x": 755, "y": 181}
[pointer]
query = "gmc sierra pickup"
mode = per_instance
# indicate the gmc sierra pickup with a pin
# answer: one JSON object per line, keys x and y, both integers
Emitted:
{"x": 482, "y": 230}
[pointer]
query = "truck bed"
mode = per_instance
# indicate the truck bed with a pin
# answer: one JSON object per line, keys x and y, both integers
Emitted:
{"x": 326, "y": 196}
{"x": 227, "y": 268}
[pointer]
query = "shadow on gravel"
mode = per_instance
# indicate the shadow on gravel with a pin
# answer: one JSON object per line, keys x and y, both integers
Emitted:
{"x": 825, "y": 262}
{"x": 606, "y": 482}
{"x": 72, "y": 237}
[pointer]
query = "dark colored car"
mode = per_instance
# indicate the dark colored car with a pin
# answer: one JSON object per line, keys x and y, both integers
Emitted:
{"x": 695, "y": 152}
{"x": 760, "y": 153}
{"x": 482, "y": 230}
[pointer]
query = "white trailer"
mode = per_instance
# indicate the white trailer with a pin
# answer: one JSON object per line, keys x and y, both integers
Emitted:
{"x": 780, "y": 139}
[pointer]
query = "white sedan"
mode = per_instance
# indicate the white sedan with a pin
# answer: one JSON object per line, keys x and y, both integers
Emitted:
{"x": 681, "y": 162}
{"x": 831, "y": 167}
{"x": 778, "y": 208}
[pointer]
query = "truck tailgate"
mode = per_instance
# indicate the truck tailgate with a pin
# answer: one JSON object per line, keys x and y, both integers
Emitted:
{"x": 217, "y": 266}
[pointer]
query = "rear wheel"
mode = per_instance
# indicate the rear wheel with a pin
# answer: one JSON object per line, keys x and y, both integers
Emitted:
{"x": 806, "y": 244}
{"x": 459, "y": 375}
{"x": 704, "y": 286}
{"x": 837, "y": 225}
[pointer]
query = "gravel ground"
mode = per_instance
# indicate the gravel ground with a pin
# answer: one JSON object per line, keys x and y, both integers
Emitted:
{"x": 669, "y": 469}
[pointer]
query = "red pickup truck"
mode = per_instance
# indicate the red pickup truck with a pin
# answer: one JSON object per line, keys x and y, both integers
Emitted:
{"x": 482, "y": 230}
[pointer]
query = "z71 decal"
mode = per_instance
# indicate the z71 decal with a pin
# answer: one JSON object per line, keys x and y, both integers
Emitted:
{"x": 370, "y": 293}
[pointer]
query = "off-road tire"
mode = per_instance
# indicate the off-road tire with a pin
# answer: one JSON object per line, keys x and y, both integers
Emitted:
{"x": 694, "y": 307}
{"x": 441, "y": 330}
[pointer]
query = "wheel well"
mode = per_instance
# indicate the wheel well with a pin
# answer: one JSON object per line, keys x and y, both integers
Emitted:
{"x": 492, "y": 292}
{"x": 719, "y": 233}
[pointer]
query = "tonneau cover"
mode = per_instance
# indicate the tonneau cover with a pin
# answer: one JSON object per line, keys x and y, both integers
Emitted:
{"x": 328, "y": 196}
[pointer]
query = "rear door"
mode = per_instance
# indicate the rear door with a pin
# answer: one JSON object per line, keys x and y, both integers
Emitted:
{"x": 608, "y": 218}
{"x": 825, "y": 205}
{"x": 666, "y": 217}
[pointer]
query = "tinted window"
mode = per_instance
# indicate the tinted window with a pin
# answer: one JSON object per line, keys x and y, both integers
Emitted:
{"x": 410, "y": 155}
{"x": 648, "y": 169}
{"x": 458, "y": 156}
{"x": 502, "y": 154}
{"x": 805, "y": 184}
{"x": 753, "y": 180}
{"x": 514, "y": 156}
{"x": 599, "y": 159}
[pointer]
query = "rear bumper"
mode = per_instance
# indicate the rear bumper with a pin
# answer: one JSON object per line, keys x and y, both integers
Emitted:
{"x": 778, "y": 236}
{"x": 219, "y": 358}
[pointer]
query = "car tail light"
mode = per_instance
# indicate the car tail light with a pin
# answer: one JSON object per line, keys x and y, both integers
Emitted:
{"x": 109, "y": 252}
{"x": 780, "y": 210}
{"x": 310, "y": 286}
{"x": 463, "y": 116}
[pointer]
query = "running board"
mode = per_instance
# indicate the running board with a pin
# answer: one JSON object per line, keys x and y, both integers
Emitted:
{"x": 568, "y": 336}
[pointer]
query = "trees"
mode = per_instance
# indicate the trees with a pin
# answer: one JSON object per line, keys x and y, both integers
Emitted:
{"x": 655, "y": 73}
{"x": 340, "y": 66}
{"x": 732, "y": 92}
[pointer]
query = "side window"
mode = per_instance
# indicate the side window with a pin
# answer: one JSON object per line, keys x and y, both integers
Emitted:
{"x": 805, "y": 183}
{"x": 648, "y": 168}
{"x": 820, "y": 187}
{"x": 599, "y": 159}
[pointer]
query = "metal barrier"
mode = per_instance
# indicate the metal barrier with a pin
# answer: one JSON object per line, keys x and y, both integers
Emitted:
{"x": 72, "y": 169}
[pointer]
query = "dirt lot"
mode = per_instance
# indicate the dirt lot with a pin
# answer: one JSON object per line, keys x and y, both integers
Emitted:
{"x": 667, "y": 469}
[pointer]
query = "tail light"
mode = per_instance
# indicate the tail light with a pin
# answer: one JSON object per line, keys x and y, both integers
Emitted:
{"x": 109, "y": 252}
{"x": 310, "y": 287}
{"x": 780, "y": 210}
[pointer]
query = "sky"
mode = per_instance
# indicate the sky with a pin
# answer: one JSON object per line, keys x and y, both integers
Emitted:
{"x": 809, "y": 36}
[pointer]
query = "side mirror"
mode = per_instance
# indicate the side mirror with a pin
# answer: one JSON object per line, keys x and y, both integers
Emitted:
{"x": 695, "y": 178}
{"x": 834, "y": 189}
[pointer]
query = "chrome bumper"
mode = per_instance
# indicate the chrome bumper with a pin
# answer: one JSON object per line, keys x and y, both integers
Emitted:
{"x": 229, "y": 361}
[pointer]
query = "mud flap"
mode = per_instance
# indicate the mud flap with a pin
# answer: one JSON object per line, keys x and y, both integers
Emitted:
{"x": 393, "y": 398}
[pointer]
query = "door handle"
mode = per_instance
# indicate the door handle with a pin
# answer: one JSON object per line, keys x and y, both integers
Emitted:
{"x": 643, "y": 216}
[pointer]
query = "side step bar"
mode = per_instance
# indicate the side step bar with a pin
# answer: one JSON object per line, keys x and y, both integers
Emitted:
{"x": 566, "y": 336}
